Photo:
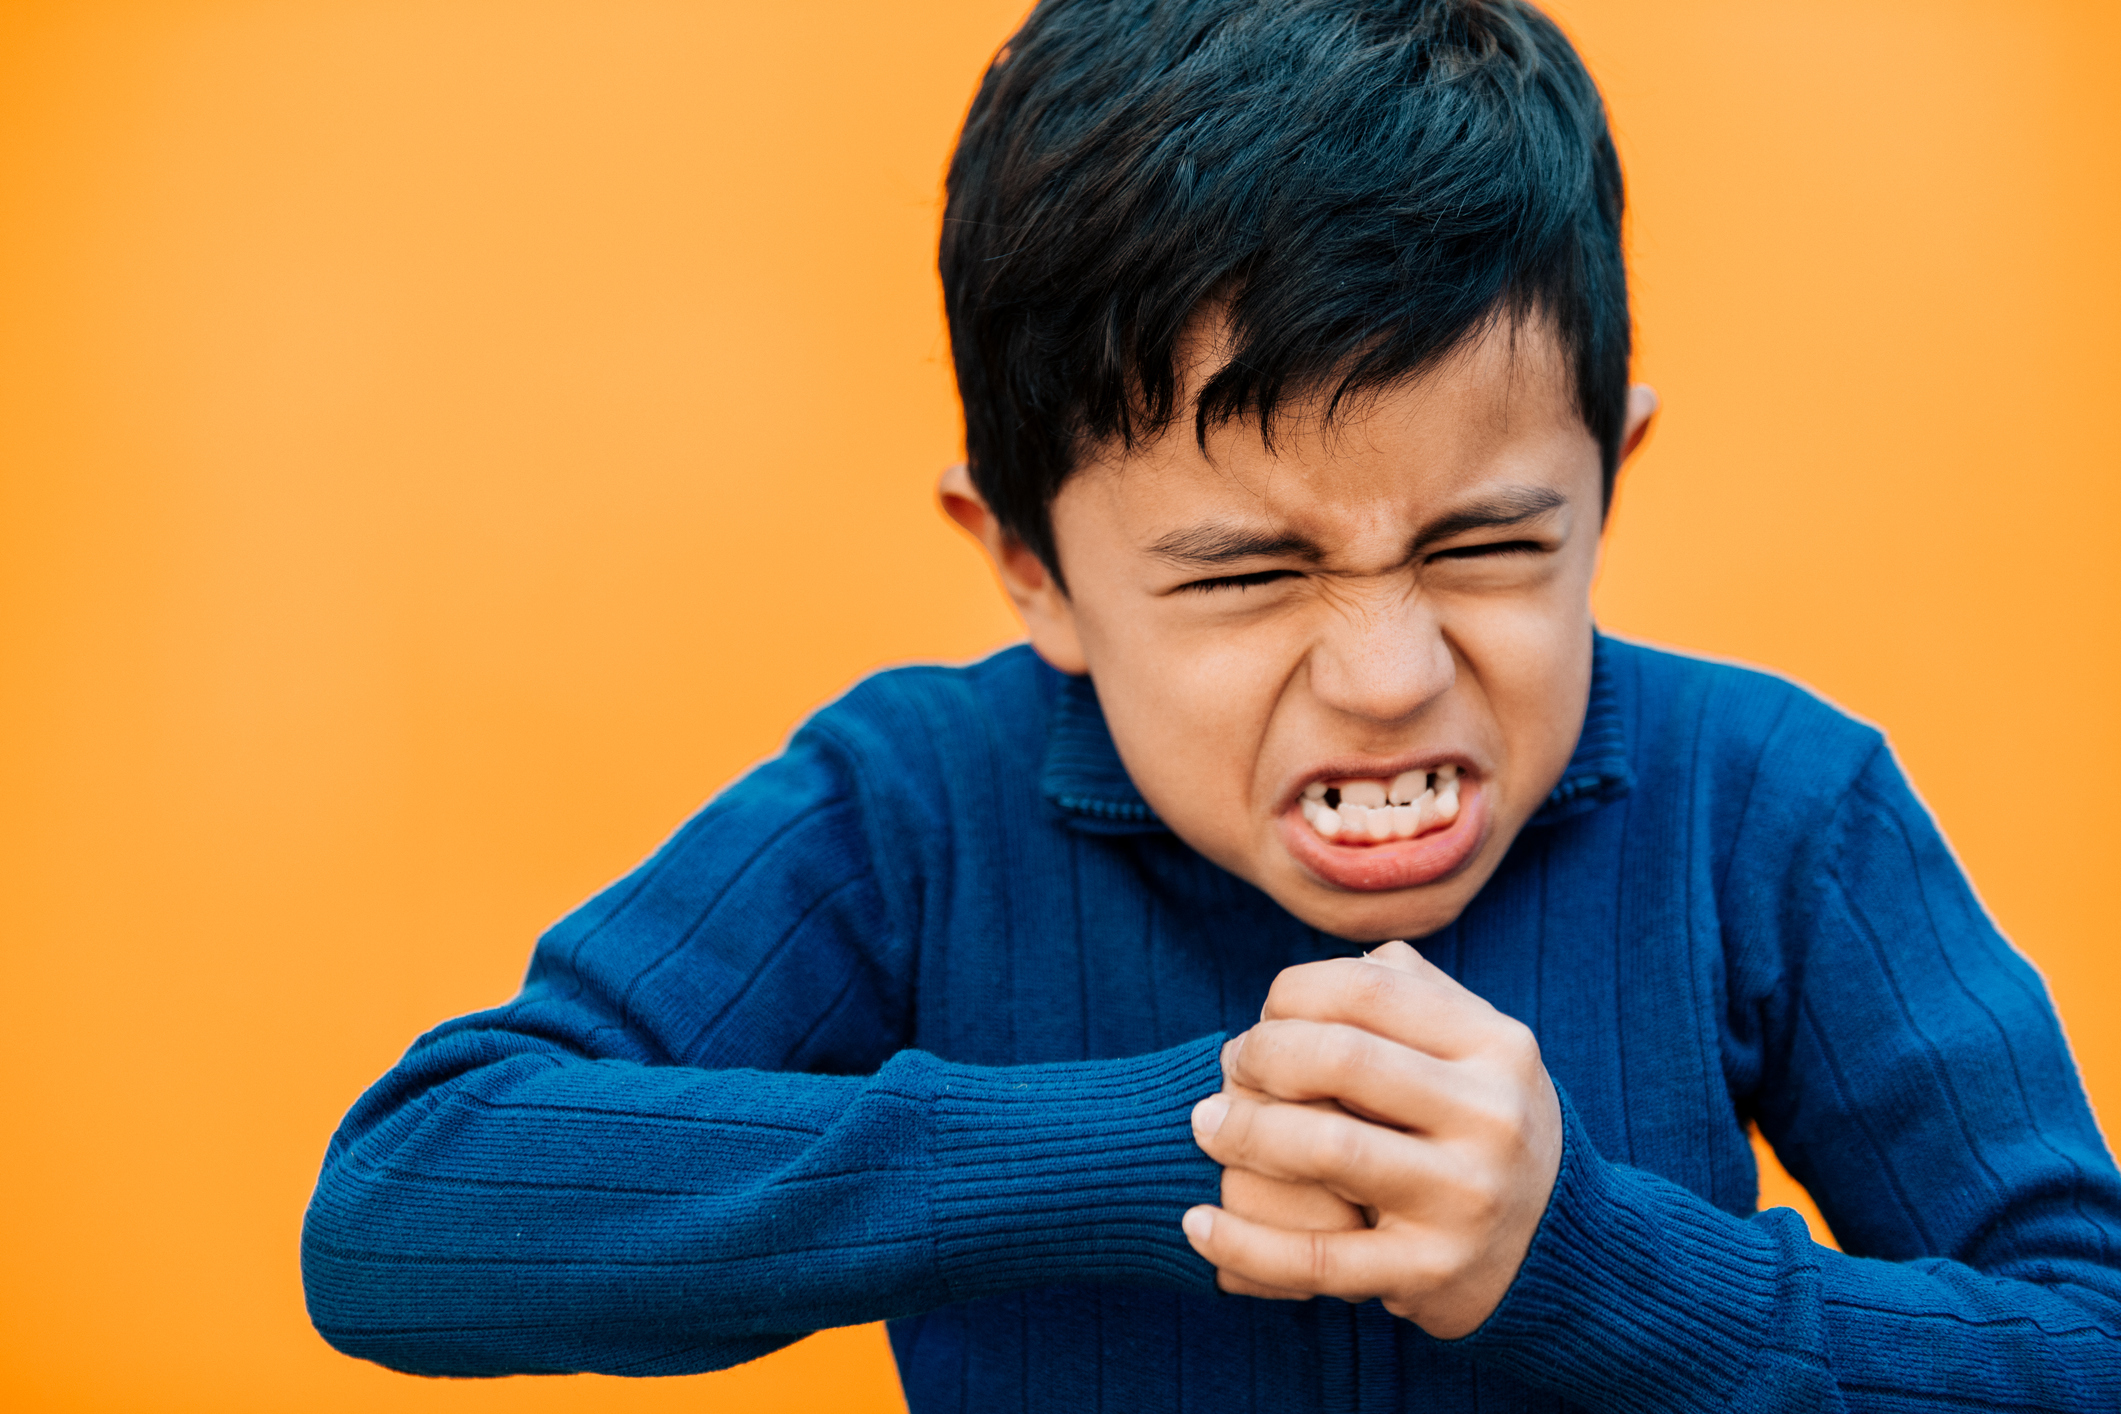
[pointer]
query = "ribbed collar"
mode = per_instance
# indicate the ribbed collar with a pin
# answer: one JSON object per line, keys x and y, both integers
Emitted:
{"x": 1598, "y": 772}
{"x": 1084, "y": 780}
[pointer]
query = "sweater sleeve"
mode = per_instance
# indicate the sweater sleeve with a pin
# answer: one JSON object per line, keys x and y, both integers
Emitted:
{"x": 1918, "y": 1083}
{"x": 694, "y": 1137}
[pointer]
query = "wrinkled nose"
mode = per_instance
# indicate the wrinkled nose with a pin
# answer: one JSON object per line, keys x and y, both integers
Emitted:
{"x": 1382, "y": 658}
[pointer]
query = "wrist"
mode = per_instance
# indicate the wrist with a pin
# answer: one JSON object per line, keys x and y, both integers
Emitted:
{"x": 1634, "y": 1292}
{"x": 1074, "y": 1173}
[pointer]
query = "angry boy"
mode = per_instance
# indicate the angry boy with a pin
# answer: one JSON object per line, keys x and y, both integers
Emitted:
{"x": 1051, "y": 1008}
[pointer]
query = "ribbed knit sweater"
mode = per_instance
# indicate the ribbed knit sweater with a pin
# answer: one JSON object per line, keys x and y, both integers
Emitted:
{"x": 907, "y": 1023}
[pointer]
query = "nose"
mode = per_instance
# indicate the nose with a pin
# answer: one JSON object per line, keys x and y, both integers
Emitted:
{"x": 1381, "y": 657}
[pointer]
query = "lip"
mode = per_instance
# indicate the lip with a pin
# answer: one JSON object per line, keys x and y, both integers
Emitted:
{"x": 1399, "y": 864}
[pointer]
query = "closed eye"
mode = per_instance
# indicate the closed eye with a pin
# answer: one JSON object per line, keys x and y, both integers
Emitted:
{"x": 1236, "y": 581}
{"x": 1499, "y": 547}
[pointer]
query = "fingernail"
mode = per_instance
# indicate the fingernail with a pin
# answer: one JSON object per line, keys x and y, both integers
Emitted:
{"x": 1198, "y": 1222}
{"x": 1209, "y": 1114}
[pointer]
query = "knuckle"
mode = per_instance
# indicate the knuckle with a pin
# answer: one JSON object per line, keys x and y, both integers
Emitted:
{"x": 1500, "y": 1110}
{"x": 1501, "y": 1120}
{"x": 1274, "y": 1036}
{"x": 1519, "y": 1046}
{"x": 1318, "y": 1262}
{"x": 1483, "y": 1197}
{"x": 1343, "y": 1055}
{"x": 1345, "y": 1147}
{"x": 1371, "y": 985}
{"x": 1476, "y": 1194}
{"x": 1292, "y": 987}
{"x": 1265, "y": 1055}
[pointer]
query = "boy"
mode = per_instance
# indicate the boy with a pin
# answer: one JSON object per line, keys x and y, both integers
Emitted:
{"x": 1027, "y": 1004}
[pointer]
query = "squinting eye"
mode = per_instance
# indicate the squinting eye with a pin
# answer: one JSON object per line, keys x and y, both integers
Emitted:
{"x": 1500, "y": 547}
{"x": 1237, "y": 581}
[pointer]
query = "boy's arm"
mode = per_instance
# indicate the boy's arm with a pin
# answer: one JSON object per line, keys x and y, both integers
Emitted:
{"x": 1919, "y": 1083}
{"x": 688, "y": 1141}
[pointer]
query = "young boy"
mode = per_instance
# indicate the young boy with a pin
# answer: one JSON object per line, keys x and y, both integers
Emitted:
{"x": 1025, "y": 1005}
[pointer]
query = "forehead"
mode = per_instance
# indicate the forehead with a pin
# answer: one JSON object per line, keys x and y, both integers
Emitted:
{"x": 1499, "y": 410}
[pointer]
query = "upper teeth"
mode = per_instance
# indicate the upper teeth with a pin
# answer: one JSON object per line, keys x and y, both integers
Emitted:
{"x": 1366, "y": 793}
{"x": 1377, "y": 811}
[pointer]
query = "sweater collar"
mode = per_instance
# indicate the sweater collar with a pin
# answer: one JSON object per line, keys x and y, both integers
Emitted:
{"x": 1598, "y": 772}
{"x": 1086, "y": 783}
{"x": 1084, "y": 779}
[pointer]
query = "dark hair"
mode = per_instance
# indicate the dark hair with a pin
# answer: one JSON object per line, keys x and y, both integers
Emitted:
{"x": 1359, "y": 184}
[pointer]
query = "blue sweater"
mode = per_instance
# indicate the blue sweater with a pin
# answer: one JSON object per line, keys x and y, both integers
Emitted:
{"x": 906, "y": 1024}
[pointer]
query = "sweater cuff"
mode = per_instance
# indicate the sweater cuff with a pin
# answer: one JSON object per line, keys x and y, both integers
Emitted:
{"x": 1073, "y": 1174}
{"x": 1636, "y": 1294}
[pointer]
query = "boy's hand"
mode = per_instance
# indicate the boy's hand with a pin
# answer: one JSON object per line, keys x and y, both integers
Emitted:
{"x": 1274, "y": 1202}
{"x": 1447, "y": 1128}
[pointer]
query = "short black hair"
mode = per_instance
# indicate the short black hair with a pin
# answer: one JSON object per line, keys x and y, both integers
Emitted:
{"x": 1356, "y": 185}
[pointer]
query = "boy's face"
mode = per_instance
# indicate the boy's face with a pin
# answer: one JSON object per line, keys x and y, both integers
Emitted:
{"x": 1366, "y": 610}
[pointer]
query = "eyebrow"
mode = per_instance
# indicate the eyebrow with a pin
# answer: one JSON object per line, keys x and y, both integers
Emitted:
{"x": 1513, "y": 505}
{"x": 1210, "y": 546}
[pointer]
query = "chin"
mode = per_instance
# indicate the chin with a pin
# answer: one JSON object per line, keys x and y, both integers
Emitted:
{"x": 1411, "y": 913}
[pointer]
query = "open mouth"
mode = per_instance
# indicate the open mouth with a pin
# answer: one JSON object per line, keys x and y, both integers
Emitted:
{"x": 1359, "y": 811}
{"x": 1372, "y": 833}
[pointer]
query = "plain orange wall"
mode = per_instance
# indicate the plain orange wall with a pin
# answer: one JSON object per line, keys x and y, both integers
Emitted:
{"x": 442, "y": 440}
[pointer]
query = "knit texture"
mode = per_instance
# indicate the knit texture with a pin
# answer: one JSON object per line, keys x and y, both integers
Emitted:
{"x": 906, "y": 1025}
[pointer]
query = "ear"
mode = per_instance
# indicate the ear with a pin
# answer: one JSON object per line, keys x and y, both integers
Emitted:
{"x": 1642, "y": 415}
{"x": 1642, "y": 412}
{"x": 1049, "y": 617}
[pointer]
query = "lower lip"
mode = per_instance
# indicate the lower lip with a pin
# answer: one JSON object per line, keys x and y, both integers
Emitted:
{"x": 1401, "y": 864}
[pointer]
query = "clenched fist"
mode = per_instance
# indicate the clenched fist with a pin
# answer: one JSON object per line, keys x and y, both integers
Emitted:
{"x": 1402, "y": 1096}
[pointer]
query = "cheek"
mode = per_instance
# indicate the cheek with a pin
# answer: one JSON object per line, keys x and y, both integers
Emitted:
{"x": 1531, "y": 659}
{"x": 1189, "y": 706}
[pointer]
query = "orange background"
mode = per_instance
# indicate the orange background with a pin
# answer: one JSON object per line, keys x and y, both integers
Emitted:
{"x": 441, "y": 440}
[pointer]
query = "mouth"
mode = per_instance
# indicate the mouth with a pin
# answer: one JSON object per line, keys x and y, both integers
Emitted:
{"x": 1375, "y": 812}
{"x": 1378, "y": 833}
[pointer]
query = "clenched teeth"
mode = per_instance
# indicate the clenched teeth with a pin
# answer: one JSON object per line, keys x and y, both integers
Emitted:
{"x": 1367, "y": 794}
{"x": 1374, "y": 811}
